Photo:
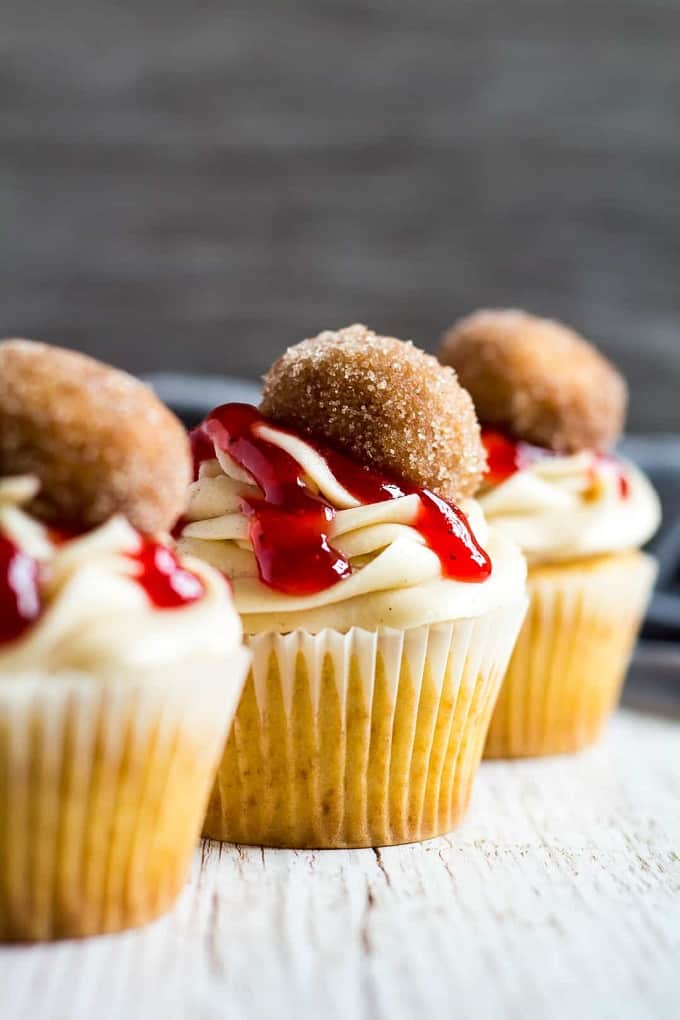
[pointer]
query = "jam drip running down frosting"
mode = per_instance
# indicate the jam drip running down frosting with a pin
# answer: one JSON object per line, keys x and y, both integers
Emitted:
{"x": 167, "y": 584}
{"x": 290, "y": 523}
{"x": 20, "y": 601}
{"x": 506, "y": 457}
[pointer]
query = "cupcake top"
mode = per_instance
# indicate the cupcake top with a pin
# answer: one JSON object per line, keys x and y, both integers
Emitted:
{"x": 324, "y": 521}
{"x": 551, "y": 408}
{"x": 87, "y": 582}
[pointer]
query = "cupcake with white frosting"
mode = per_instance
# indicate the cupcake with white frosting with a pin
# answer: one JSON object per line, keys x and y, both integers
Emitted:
{"x": 379, "y": 608}
{"x": 552, "y": 408}
{"x": 120, "y": 663}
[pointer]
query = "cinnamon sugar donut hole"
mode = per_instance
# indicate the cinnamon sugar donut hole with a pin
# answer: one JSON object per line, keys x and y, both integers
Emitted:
{"x": 537, "y": 380}
{"x": 383, "y": 402}
{"x": 100, "y": 441}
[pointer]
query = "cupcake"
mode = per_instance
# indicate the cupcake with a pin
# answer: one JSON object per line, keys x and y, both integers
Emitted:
{"x": 379, "y": 609}
{"x": 120, "y": 664}
{"x": 552, "y": 408}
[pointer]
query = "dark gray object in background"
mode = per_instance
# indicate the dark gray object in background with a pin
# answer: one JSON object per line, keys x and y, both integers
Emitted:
{"x": 198, "y": 185}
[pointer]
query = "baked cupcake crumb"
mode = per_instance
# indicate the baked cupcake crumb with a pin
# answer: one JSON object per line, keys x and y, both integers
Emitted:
{"x": 537, "y": 379}
{"x": 99, "y": 441}
{"x": 385, "y": 403}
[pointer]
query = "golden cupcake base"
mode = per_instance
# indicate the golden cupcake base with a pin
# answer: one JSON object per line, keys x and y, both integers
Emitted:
{"x": 569, "y": 664}
{"x": 103, "y": 787}
{"x": 360, "y": 739}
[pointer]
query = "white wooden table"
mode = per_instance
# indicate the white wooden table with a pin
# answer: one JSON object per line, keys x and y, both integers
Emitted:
{"x": 558, "y": 898}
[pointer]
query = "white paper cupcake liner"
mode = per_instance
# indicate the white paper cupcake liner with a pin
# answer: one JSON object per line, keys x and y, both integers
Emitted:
{"x": 103, "y": 785}
{"x": 360, "y": 739}
{"x": 568, "y": 667}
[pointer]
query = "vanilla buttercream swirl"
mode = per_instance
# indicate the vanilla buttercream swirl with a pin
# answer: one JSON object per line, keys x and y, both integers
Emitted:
{"x": 396, "y": 579}
{"x": 566, "y": 507}
{"x": 96, "y": 618}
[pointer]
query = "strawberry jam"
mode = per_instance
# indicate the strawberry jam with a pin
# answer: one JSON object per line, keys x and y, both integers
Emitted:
{"x": 505, "y": 456}
{"x": 290, "y": 524}
{"x": 166, "y": 582}
{"x": 446, "y": 530}
{"x": 20, "y": 602}
{"x": 606, "y": 461}
{"x": 624, "y": 486}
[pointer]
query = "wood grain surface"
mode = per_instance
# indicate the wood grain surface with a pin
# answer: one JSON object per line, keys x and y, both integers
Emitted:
{"x": 198, "y": 185}
{"x": 559, "y": 898}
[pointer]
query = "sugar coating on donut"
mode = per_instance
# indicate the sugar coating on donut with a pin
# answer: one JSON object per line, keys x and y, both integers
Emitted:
{"x": 537, "y": 379}
{"x": 99, "y": 440}
{"x": 385, "y": 403}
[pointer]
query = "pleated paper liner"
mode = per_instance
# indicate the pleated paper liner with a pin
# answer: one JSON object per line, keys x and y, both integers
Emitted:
{"x": 567, "y": 670}
{"x": 360, "y": 739}
{"x": 103, "y": 788}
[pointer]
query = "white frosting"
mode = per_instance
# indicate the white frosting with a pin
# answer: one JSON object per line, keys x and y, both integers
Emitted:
{"x": 96, "y": 618}
{"x": 396, "y": 579}
{"x": 568, "y": 507}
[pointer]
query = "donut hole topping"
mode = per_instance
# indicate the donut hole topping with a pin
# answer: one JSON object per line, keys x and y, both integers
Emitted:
{"x": 537, "y": 380}
{"x": 99, "y": 441}
{"x": 289, "y": 524}
{"x": 382, "y": 402}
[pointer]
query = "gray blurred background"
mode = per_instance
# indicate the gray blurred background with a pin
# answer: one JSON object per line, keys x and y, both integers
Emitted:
{"x": 196, "y": 186}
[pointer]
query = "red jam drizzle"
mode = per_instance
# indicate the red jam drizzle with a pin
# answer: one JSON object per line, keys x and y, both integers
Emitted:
{"x": 20, "y": 602}
{"x": 166, "y": 582}
{"x": 611, "y": 463}
{"x": 624, "y": 485}
{"x": 446, "y": 530}
{"x": 289, "y": 524}
{"x": 361, "y": 482}
{"x": 505, "y": 457}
